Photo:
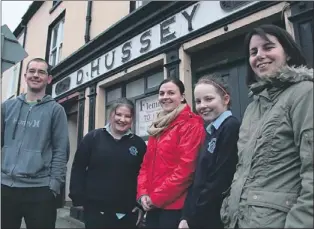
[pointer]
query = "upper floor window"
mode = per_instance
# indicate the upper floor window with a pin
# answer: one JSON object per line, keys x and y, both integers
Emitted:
{"x": 56, "y": 42}
{"x": 55, "y": 2}
{"x": 138, "y": 4}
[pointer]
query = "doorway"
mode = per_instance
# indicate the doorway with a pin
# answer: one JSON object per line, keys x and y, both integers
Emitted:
{"x": 234, "y": 75}
{"x": 72, "y": 125}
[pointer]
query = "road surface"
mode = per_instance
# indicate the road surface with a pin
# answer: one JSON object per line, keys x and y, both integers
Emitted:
{"x": 64, "y": 220}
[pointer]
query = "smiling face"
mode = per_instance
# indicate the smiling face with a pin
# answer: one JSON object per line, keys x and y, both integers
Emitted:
{"x": 209, "y": 103}
{"x": 37, "y": 77}
{"x": 121, "y": 119}
{"x": 266, "y": 57}
{"x": 170, "y": 97}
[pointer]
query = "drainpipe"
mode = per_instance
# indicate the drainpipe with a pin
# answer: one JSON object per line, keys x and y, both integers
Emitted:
{"x": 21, "y": 65}
{"x": 88, "y": 21}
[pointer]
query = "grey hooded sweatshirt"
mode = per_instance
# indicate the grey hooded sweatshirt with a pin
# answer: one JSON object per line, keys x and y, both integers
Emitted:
{"x": 35, "y": 143}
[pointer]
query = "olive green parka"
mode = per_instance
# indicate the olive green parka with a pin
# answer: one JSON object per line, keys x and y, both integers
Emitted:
{"x": 273, "y": 183}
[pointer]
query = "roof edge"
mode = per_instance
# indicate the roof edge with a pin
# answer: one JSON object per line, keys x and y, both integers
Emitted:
{"x": 32, "y": 9}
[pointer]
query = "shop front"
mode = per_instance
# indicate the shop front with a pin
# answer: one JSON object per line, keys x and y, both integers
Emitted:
{"x": 180, "y": 39}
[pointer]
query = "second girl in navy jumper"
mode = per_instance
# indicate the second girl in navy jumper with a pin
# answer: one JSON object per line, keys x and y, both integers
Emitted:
{"x": 217, "y": 158}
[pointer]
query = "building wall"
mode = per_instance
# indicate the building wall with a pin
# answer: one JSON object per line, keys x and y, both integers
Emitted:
{"x": 104, "y": 14}
{"x": 107, "y": 13}
{"x": 186, "y": 52}
{"x": 74, "y": 27}
{"x": 10, "y": 77}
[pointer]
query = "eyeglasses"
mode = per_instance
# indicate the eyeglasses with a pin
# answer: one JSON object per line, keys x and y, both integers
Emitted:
{"x": 39, "y": 72}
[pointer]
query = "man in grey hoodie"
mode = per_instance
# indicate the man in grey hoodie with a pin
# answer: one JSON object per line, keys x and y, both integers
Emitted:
{"x": 34, "y": 152}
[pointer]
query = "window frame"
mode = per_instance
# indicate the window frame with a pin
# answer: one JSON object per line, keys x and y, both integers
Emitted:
{"x": 138, "y": 4}
{"x": 55, "y": 4}
{"x": 147, "y": 92}
{"x": 57, "y": 50}
{"x": 134, "y": 5}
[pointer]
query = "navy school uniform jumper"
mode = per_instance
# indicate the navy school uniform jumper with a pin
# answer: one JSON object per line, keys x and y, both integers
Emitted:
{"x": 216, "y": 165}
{"x": 104, "y": 178}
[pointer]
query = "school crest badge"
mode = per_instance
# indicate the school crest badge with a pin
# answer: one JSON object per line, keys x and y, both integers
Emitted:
{"x": 212, "y": 145}
{"x": 133, "y": 151}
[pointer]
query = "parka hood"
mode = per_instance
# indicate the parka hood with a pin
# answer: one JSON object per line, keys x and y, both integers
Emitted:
{"x": 285, "y": 77}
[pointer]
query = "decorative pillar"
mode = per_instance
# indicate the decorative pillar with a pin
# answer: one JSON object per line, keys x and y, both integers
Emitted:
{"x": 81, "y": 108}
{"x": 172, "y": 64}
{"x": 92, "y": 106}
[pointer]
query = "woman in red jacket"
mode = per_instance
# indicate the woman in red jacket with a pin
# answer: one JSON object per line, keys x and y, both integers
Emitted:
{"x": 169, "y": 162}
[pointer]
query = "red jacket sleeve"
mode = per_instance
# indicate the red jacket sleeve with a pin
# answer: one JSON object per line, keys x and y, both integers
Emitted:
{"x": 178, "y": 182}
{"x": 142, "y": 177}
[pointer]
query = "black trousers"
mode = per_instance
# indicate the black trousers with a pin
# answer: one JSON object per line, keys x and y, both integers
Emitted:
{"x": 160, "y": 218}
{"x": 36, "y": 205}
{"x": 96, "y": 216}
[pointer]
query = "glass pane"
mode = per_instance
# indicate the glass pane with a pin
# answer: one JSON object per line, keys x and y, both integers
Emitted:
{"x": 107, "y": 115}
{"x": 60, "y": 54}
{"x": 61, "y": 26}
{"x": 146, "y": 111}
{"x": 138, "y": 4}
{"x": 155, "y": 80}
{"x": 55, "y": 36}
{"x": 53, "y": 57}
{"x": 135, "y": 88}
{"x": 113, "y": 95}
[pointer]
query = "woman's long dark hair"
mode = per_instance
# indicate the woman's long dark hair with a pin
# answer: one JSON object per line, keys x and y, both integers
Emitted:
{"x": 290, "y": 47}
{"x": 177, "y": 82}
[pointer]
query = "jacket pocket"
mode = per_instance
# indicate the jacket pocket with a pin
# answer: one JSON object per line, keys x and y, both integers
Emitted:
{"x": 269, "y": 209}
{"x": 30, "y": 163}
{"x": 8, "y": 159}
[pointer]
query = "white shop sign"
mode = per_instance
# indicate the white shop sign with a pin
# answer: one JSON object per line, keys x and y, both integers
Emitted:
{"x": 195, "y": 17}
{"x": 146, "y": 112}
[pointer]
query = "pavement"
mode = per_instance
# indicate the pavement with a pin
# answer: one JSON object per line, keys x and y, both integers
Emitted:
{"x": 64, "y": 220}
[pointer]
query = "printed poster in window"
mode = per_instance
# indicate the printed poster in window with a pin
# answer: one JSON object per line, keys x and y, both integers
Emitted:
{"x": 146, "y": 111}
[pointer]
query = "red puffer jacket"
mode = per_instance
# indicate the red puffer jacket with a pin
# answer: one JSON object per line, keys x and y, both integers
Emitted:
{"x": 169, "y": 163}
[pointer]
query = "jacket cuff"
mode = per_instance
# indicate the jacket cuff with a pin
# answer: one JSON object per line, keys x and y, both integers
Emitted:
{"x": 55, "y": 185}
{"x": 155, "y": 203}
{"x": 139, "y": 199}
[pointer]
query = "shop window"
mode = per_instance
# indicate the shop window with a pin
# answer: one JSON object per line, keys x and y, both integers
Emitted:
{"x": 114, "y": 94}
{"x": 56, "y": 42}
{"x": 146, "y": 111}
{"x": 143, "y": 91}
{"x": 135, "y": 88}
{"x": 154, "y": 80}
{"x": 111, "y": 96}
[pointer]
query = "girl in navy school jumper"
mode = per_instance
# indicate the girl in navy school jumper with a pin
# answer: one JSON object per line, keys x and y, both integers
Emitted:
{"x": 217, "y": 158}
{"x": 105, "y": 169}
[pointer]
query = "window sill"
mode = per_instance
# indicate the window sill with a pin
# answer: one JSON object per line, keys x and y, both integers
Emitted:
{"x": 54, "y": 7}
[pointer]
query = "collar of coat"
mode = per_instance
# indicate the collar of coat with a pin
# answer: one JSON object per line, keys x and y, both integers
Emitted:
{"x": 278, "y": 82}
